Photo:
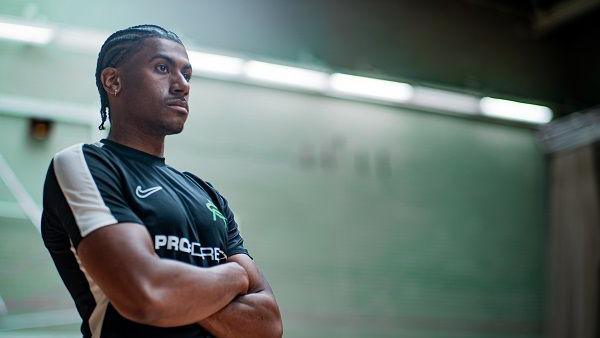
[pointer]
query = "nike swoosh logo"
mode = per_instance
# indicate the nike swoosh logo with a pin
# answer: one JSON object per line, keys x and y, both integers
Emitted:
{"x": 141, "y": 193}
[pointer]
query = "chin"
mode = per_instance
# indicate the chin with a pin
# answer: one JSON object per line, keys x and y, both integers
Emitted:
{"x": 174, "y": 126}
{"x": 175, "y": 130}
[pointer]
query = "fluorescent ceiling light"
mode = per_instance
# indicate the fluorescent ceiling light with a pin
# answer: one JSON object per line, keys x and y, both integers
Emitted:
{"x": 205, "y": 63}
{"x": 24, "y": 106}
{"x": 286, "y": 75}
{"x": 26, "y": 33}
{"x": 512, "y": 110}
{"x": 81, "y": 40}
{"x": 445, "y": 100}
{"x": 372, "y": 88}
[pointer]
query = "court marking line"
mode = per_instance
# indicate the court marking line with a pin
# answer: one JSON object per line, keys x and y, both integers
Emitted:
{"x": 26, "y": 202}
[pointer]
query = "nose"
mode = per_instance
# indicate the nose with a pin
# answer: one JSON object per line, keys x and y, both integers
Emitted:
{"x": 180, "y": 85}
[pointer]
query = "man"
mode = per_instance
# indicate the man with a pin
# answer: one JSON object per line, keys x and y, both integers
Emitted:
{"x": 146, "y": 250}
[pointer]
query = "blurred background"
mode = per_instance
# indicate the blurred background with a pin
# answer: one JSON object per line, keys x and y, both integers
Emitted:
{"x": 397, "y": 168}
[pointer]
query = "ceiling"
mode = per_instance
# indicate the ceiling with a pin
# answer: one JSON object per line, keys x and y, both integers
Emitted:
{"x": 538, "y": 51}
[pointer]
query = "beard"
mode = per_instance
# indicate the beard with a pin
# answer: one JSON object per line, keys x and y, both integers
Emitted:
{"x": 171, "y": 123}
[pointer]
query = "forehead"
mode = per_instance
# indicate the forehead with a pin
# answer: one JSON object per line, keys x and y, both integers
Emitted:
{"x": 155, "y": 46}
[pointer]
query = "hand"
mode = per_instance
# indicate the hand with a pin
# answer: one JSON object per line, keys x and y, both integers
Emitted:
{"x": 240, "y": 273}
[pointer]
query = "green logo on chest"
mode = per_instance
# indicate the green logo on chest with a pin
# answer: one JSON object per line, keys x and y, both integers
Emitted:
{"x": 216, "y": 213}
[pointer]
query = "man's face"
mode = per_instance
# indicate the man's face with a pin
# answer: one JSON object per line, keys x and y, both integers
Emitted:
{"x": 156, "y": 86}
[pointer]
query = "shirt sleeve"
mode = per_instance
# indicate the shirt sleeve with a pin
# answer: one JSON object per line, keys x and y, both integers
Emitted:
{"x": 83, "y": 192}
{"x": 235, "y": 242}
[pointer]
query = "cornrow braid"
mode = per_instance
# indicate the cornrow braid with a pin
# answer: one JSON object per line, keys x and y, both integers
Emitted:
{"x": 116, "y": 48}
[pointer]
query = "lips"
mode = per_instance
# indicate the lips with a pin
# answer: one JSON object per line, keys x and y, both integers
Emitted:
{"x": 179, "y": 105}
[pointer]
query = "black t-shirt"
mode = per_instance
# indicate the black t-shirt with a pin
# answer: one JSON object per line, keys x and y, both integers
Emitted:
{"x": 89, "y": 186}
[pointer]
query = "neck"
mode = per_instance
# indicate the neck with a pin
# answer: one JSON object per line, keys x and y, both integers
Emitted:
{"x": 151, "y": 144}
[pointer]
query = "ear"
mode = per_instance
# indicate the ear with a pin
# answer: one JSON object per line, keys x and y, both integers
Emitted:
{"x": 111, "y": 80}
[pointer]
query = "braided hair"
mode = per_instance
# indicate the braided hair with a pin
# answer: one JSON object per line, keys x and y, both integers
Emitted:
{"x": 117, "y": 47}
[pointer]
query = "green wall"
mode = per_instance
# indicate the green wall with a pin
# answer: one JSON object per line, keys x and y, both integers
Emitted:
{"x": 369, "y": 221}
{"x": 376, "y": 221}
{"x": 29, "y": 282}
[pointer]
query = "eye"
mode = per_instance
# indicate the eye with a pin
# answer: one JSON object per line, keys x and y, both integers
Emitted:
{"x": 187, "y": 76}
{"x": 162, "y": 68}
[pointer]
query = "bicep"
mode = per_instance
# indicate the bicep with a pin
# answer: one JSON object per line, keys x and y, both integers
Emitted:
{"x": 257, "y": 281}
{"x": 119, "y": 258}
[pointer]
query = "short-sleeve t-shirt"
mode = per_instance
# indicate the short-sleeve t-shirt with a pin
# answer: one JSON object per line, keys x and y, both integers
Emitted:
{"x": 89, "y": 186}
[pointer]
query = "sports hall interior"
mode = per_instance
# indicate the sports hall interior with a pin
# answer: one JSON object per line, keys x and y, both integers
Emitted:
{"x": 397, "y": 168}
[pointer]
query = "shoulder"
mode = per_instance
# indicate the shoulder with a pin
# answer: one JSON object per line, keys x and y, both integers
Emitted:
{"x": 83, "y": 160}
{"x": 80, "y": 154}
{"x": 79, "y": 149}
{"x": 208, "y": 187}
{"x": 198, "y": 180}
{"x": 76, "y": 151}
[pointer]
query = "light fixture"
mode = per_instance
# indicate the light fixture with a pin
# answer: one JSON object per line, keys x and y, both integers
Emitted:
{"x": 39, "y": 129}
{"x": 445, "y": 100}
{"x": 80, "y": 40}
{"x": 214, "y": 64}
{"x": 371, "y": 88}
{"x": 286, "y": 75}
{"x": 26, "y": 33}
{"x": 512, "y": 110}
{"x": 278, "y": 75}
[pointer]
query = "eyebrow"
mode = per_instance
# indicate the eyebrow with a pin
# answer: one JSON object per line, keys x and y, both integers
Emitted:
{"x": 169, "y": 60}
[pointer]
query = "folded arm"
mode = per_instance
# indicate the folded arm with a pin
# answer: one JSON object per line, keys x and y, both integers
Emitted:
{"x": 144, "y": 288}
{"x": 255, "y": 314}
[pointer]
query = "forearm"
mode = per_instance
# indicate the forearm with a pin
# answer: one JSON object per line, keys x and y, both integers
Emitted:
{"x": 187, "y": 294}
{"x": 183, "y": 294}
{"x": 147, "y": 289}
{"x": 255, "y": 315}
